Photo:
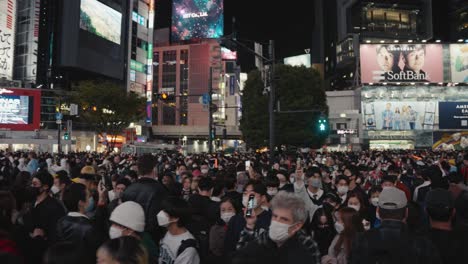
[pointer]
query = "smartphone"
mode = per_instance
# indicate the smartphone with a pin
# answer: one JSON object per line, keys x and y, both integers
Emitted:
{"x": 106, "y": 181}
{"x": 250, "y": 206}
{"x": 247, "y": 164}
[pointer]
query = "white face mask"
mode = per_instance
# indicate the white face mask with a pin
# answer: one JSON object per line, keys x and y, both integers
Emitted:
{"x": 279, "y": 232}
{"x": 355, "y": 207}
{"x": 375, "y": 201}
{"x": 55, "y": 189}
{"x": 272, "y": 192}
{"x": 245, "y": 201}
{"x": 163, "y": 219}
{"x": 339, "y": 227}
{"x": 227, "y": 216}
{"x": 204, "y": 171}
{"x": 115, "y": 232}
{"x": 342, "y": 189}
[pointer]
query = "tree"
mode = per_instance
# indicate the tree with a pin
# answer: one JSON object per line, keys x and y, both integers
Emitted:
{"x": 254, "y": 121}
{"x": 108, "y": 107}
{"x": 297, "y": 89}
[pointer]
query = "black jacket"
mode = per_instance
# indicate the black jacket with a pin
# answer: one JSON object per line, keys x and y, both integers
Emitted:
{"x": 149, "y": 193}
{"x": 80, "y": 231}
{"x": 299, "y": 249}
{"x": 205, "y": 213}
{"x": 392, "y": 243}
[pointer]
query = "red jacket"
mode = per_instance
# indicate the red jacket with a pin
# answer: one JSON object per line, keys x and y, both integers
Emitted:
{"x": 404, "y": 188}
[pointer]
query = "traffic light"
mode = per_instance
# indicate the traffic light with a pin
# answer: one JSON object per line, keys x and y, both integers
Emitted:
{"x": 165, "y": 97}
{"x": 322, "y": 125}
{"x": 66, "y": 136}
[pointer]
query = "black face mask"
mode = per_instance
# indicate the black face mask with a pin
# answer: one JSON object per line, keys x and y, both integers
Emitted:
{"x": 33, "y": 192}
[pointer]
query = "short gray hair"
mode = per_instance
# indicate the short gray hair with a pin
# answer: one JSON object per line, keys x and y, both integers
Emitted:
{"x": 290, "y": 201}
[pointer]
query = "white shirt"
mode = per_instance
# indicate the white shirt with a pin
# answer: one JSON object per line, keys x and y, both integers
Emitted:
{"x": 76, "y": 214}
{"x": 319, "y": 194}
{"x": 169, "y": 246}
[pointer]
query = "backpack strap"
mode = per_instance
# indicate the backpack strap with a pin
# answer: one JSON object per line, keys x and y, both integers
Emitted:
{"x": 187, "y": 243}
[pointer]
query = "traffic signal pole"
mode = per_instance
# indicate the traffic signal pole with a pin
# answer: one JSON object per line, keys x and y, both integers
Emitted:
{"x": 271, "y": 105}
{"x": 210, "y": 112}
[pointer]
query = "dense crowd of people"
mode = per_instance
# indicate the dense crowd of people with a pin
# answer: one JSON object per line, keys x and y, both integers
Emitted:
{"x": 331, "y": 208}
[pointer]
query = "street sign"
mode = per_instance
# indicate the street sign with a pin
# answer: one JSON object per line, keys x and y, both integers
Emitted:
{"x": 206, "y": 98}
{"x": 58, "y": 116}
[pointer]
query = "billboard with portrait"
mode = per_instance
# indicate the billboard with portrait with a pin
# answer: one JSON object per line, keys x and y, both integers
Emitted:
{"x": 197, "y": 19}
{"x": 398, "y": 115}
{"x": 459, "y": 62}
{"x": 101, "y": 20}
{"x": 401, "y": 63}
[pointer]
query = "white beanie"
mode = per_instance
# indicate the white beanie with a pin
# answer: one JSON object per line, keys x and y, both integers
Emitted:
{"x": 130, "y": 215}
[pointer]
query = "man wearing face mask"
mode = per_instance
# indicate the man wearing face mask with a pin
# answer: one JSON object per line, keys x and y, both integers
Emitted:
{"x": 128, "y": 219}
{"x": 41, "y": 220}
{"x": 284, "y": 242}
{"x": 238, "y": 222}
{"x": 119, "y": 189}
{"x": 342, "y": 188}
{"x": 61, "y": 181}
{"x": 204, "y": 169}
{"x": 178, "y": 246}
{"x": 76, "y": 227}
{"x": 315, "y": 188}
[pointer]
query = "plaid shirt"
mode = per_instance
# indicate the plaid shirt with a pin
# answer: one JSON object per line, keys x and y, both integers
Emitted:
{"x": 262, "y": 237}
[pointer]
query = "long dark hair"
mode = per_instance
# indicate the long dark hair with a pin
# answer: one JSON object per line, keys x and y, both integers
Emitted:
{"x": 352, "y": 225}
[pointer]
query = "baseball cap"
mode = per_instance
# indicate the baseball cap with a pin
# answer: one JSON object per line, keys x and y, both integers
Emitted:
{"x": 440, "y": 199}
{"x": 392, "y": 198}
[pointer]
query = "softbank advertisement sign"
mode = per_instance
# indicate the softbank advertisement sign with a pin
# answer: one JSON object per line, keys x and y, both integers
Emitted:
{"x": 402, "y": 63}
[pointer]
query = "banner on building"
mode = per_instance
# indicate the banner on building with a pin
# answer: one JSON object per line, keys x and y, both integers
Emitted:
{"x": 453, "y": 115}
{"x": 7, "y": 37}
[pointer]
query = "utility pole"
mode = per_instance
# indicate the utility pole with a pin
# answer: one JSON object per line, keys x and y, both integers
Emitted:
{"x": 210, "y": 111}
{"x": 271, "y": 106}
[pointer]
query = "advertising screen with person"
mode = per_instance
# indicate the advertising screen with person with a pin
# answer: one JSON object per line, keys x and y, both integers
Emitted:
{"x": 399, "y": 116}
{"x": 401, "y": 63}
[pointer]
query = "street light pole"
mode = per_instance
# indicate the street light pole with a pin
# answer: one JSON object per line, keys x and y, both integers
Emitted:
{"x": 271, "y": 106}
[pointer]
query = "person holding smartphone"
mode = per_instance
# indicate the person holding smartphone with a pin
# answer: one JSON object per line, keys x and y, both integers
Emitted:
{"x": 258, "y": 219}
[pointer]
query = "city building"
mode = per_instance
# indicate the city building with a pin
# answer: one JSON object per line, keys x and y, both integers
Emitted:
{"x": 182, "y": 71}
{"x": 353, "y": 27}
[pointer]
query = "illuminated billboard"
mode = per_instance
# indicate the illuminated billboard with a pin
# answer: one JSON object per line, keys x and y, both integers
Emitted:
{"x": 401, "y": 63}
{"x": 455, "y": 115}
{"x": 14, "y": 109}
{"x": 101, "y": 20}
{"x": 19, "y": 109}
{"x": 459, "y": 62}
{"x": 197, "y": 19}
{"x": 227, "y": 54}
{"x": 300, "y": 60}
{"x": 7, "y": 37}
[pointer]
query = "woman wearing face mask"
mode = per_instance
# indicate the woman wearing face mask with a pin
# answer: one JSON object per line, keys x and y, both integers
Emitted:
{"x": 128, "y": 219}
{"x": 347, "y": 225}
{"x": 178, "y": 245}
{"x": 323, "y": 229}
{"x": 374, "y": 193}
{"x": 218, "y": 231}
{"x": 356, "y": 202}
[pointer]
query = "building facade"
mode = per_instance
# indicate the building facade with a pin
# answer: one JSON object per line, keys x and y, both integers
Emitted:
{"x": 185, "y": 72}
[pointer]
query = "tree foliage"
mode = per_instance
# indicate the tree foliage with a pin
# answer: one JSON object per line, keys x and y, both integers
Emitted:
{"x": 107, "y": 107}
{"x": 297, "y": 89}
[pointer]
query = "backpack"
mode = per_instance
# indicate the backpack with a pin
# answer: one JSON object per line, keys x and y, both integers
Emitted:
{"x": 200, "y": 243}
{"x": 187, "y": 243}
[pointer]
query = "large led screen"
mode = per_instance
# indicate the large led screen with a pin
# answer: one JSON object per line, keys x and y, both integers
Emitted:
{"x": 300, "y": 60}
{"x": 101, "y": 20}
{"x": 459, "y": 62}
{"x": 401, "y": 63}
{"x": 197, "y": 19}
{"x": 14, "y": 110}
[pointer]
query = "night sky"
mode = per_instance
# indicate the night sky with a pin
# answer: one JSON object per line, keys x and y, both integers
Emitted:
{"x": 289, "y": 23}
